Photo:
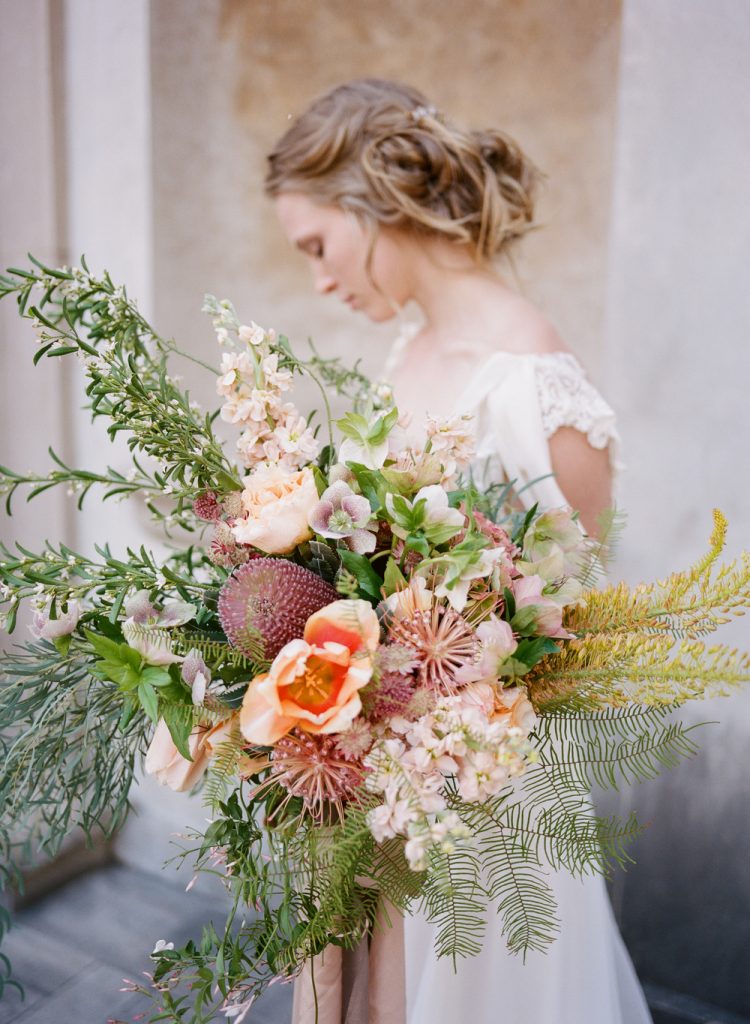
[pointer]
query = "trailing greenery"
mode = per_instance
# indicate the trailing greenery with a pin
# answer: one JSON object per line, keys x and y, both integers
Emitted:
{"x": 68, "y": 761}
{"x": 76, "y": 313}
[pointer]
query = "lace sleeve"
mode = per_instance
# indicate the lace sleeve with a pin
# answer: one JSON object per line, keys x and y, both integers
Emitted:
{"x": 568, "y": 399}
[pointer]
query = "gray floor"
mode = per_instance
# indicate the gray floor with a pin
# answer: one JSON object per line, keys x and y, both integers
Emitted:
{"x": 72, "y": 949}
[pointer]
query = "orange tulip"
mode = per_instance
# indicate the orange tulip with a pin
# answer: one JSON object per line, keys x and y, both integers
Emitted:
{"x": 314, "y": 683}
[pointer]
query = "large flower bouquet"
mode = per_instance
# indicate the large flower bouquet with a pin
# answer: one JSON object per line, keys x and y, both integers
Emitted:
{"x": 390, "y": 684}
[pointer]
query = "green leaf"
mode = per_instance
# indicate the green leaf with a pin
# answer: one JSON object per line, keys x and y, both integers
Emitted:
{"x": 155, "y": 675}
{"x": 149, "y": 701}
{"x": 527, "y": 654}
{"x": 369, "y": 482}
{"x": 103, "y": 646}
{"x": 382, "y": 427}
{"x": 369, "y": 582}
{"x": 128, "y": 710}
{"x": 393, "y": 579}
{"x": 179, "y": 719}
{"x": 353, "y": 426}
{"x": 62, "y": 644}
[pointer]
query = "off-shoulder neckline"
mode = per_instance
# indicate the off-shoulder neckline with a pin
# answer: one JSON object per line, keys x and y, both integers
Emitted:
{"x": 409, "y": 331}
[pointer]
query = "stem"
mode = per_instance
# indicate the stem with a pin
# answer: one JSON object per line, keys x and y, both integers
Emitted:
{"x": 170, "y": 346}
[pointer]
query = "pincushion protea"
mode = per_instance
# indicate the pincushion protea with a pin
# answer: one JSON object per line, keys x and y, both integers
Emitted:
{"x": 443, "y": 642}
{"x": 313, "y": 768}
{"x": 270, "y": 599}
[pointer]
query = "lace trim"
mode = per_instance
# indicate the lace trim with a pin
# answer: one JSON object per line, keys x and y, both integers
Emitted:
{"x": 568, "y": 399}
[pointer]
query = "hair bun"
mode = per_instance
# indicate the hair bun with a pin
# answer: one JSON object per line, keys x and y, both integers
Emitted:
{"x": 379, "y": 148}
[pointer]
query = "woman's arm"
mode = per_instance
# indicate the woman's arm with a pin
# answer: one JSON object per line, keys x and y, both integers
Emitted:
{"x": 583, "y": 474}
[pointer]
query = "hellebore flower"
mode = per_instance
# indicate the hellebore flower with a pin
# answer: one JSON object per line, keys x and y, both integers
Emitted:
{"x": 343, "y": 515}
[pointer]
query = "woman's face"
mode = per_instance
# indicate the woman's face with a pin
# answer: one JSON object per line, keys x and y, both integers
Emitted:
{"x": 336, "y": 246}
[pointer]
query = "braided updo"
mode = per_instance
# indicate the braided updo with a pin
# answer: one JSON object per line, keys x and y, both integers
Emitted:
{"x": 377, "y": 148}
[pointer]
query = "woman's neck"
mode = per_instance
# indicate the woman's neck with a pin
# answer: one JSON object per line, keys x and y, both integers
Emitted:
{"x": 458, "y": 298}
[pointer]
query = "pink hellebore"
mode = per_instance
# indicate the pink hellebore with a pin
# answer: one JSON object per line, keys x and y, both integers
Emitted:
{"x": 45, "y": 628}
{"x": 532, "y": 606}
{"x": 146, "y": 627}
{"x": 343, "y": 515}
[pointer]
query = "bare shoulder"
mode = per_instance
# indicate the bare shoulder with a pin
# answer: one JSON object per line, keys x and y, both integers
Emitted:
{"x": 526, "y": 330}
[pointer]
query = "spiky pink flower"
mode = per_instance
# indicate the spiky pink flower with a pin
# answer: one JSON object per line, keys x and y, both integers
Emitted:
{"x": 232, "y": 504}
{"x": 224, "y": 550}
{"x": 443, "y": 642}
{"x": 355, "y": 741}
{"x": 313, "y": 768}
{"x": 268, "y": 601}
{"x": 389, "y": 696}
{"x": 396, "y": 658}
{"x": 206, "y": 506}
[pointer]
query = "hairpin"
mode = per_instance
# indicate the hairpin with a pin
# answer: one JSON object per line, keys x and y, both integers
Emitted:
{"x": 419, "y": 114}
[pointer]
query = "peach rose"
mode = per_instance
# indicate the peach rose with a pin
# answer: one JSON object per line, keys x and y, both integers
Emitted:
{"x": 164, "y": 760}
{"x": 314, "y": 683}
{"x": 514, "y": 703}
{"x": 277, "y": 503}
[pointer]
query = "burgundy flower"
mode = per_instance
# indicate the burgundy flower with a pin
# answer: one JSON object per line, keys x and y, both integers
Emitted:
{"x": 267, "y": 602}
{"x": 206, "y": 506}
{"x": 390, "y": 695}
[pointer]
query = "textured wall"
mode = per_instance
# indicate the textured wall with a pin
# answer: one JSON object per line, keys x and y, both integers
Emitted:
{"x": 679, "y": 323}
{"x": 228, "y": 74}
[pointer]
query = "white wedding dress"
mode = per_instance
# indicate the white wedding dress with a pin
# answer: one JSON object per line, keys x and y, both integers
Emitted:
{"x": 586, "y": 976}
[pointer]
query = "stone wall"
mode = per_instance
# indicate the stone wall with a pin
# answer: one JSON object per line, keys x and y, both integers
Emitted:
{"x": 678, "y": 366}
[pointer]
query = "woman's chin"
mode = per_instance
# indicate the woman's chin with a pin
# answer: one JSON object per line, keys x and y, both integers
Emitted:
{"x": 378, "y": 314}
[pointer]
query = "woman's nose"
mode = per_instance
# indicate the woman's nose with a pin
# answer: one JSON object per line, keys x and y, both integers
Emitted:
{"x": 324, "y": 283}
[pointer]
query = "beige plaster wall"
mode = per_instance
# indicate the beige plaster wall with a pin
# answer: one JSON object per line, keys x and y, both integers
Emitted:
{"x": 227, "y": 75}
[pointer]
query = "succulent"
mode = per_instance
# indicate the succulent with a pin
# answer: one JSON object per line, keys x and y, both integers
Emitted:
{"x": 268, "y": 601}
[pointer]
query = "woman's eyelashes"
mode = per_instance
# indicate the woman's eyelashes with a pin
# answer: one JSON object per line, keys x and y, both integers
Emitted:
{"x": 312, "y": 247}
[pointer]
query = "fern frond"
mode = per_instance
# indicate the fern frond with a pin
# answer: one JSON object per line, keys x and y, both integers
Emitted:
{"x": 687, "y": 604}
{"x": 515, "y": 880}
{"x": 602, "y": 670}
{"x": 223, "y": 767}
{"x": 606, "y": 762}
{"x": 453, "y": 899}
{"x": 218, "y": 652}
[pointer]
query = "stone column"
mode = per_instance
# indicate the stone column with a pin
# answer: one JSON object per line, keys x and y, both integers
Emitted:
{"x": 679, "y": 366}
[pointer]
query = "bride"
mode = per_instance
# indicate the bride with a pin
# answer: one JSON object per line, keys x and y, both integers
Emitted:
{"x": 391, "y": 203}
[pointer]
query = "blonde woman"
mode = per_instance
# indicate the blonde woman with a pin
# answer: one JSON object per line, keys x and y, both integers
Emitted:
{"x": 392, "y": 203}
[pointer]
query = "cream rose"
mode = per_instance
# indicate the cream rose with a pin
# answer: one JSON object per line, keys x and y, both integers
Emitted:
{"x": 277, "y": 503}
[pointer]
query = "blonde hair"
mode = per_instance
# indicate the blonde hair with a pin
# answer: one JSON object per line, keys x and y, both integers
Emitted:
{"x": 377, "y": 148}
